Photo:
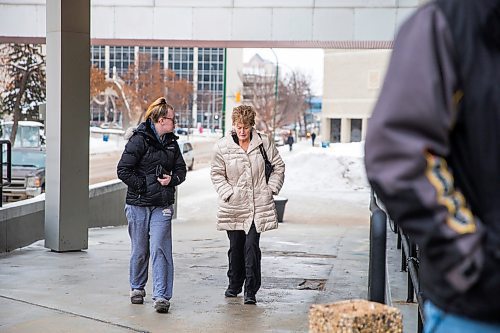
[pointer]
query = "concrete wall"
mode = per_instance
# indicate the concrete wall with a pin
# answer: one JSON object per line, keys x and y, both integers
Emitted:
{"x": 223, "y": 20}
{"x": 106, "y": 204}
{"x": 22, "y": 223}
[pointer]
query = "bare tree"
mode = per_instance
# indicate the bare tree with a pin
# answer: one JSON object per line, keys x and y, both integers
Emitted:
{"x": 148, "y": 81}
{"x": 143, "y": 84}
{"x": 299, "y": 96}
{"x": 259, "y": 90}
{"x": 179, "y": 95}
{"x": 25, "y": 88}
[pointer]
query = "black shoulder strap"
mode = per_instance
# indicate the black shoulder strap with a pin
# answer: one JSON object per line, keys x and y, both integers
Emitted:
{"x": 262, "y": 150}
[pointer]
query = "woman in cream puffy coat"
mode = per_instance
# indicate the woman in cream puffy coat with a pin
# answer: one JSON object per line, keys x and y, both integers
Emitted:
{"x": 246, "y": 204}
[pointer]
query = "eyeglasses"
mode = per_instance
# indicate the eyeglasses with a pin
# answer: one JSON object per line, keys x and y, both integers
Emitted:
{"x": 173, "y": 119}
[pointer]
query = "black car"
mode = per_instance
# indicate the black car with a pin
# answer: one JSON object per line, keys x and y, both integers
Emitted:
{"x": 181, "y": 131}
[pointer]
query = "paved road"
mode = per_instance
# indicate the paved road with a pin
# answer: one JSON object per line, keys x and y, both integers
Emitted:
{"x": 103, "y": 166}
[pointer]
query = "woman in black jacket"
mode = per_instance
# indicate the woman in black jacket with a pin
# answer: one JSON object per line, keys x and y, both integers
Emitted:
{"x": 151, "y": 166}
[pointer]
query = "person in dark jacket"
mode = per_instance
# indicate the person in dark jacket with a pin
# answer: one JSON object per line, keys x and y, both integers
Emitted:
{"x": 289, "y": 140}
{"x": 432, "y": 155}
{"x": 151, "y": 166}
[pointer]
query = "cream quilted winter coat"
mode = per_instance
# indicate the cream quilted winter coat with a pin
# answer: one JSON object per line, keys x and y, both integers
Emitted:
{"x": 240, "y": 181}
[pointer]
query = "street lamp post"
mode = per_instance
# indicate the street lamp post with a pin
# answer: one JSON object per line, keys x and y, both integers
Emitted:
{"x": 275, "y": 94}
{"x": 213, "y": 76}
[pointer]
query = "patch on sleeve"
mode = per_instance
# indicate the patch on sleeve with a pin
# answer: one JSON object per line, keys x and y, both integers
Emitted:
{"x": 460, "y": 217}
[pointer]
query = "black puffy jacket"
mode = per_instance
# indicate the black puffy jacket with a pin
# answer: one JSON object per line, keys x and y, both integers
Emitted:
{"x": 143, "y": 159}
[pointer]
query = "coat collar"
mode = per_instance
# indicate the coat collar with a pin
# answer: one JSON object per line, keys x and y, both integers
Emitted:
{"x": 254, "y": 142}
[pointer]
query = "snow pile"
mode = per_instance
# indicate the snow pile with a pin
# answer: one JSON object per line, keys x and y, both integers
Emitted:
{"x": 337, "y": 168}
{"x": 114, "y": 143}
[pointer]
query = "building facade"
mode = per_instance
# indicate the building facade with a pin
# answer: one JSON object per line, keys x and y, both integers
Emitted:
{"x": 352, "y": 82}
{"x": 202, "y": 67}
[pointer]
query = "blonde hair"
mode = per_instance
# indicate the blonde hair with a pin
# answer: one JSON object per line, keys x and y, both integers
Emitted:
{"x": 244, "y": 114}
{"x": 158, "y": 109}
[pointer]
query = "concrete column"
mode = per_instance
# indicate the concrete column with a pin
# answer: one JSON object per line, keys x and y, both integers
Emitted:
{"x": 194, "y": 113}
{"x": 326, "y": 131}
{"x": 345, "y": 130}
{"x": 364, "y": 127}
{"x": 107, "y": 70}
{"x": 234, "y": 63}
{"x": 68, "y": 76}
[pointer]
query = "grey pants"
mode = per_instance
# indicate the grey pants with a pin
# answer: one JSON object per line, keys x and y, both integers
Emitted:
{"x": 150, "y": 230}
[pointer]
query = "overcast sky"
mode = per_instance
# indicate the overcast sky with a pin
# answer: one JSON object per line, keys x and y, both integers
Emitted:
{"x": 308, "y": 61}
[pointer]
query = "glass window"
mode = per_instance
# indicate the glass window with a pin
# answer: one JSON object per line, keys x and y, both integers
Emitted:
{"x": 356, "y": 130}
{"x": 335, "y": 130}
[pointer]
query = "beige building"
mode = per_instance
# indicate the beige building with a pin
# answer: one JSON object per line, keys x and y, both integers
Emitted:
{"x": 352, "y": 81}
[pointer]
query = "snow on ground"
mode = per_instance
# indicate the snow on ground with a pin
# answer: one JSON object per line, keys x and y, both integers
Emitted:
{"x": 337, "y": 168}
{"x": 115, "y": 141}
{"x": 325, "y": 185}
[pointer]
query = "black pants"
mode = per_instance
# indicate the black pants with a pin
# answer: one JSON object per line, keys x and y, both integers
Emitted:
{"x": 244, "y": 260}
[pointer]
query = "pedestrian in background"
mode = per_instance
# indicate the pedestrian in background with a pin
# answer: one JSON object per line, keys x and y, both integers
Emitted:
{"x": 151, "y": 166}
{"x": 289, "y": 140}
{"x": 246, "y": 204}
{"x": 433, "y": 157}
{"x": 313, "y": 137}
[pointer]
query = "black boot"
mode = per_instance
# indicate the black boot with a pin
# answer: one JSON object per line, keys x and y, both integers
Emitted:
{"x": 231, "y": 292}
{"x": 250, "y": 298}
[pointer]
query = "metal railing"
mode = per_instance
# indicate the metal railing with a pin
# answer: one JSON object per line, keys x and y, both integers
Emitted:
{"x": 8, "y": 163}
{"x": 377, "y": 261}
{"x": 377, "y": 265}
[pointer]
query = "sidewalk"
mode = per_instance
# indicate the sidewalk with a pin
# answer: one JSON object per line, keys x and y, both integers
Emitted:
{"x": 322, "y": 243}
{"x": 87, "y": 291}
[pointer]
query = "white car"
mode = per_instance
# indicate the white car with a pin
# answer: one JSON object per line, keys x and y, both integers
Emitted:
{"x": 279, "y": 140}
{"x": 187, "y": 153}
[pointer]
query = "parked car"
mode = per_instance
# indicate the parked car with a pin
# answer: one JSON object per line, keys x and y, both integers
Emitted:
{"x": 30, "y": 134}
{"x": 279, "y": 140}
{"x": 187, "y": 153}
{"x": 181, "y": 131}
{"x": 28, "y": 174}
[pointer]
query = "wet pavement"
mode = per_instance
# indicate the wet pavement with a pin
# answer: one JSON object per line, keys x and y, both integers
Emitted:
{"x": 43, "y": 291}
{"x": 319, "y": 254}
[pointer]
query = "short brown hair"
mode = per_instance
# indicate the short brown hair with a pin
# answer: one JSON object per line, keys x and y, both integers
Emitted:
{"x": 244, "y": 114}
{"x": 158, "y": 109}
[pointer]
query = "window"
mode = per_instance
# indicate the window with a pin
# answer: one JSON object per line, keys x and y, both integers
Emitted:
{"x": 356, "y": 130}
{"x": 187, "y": 148}
{"x": 335, "y": 130}
{"x": 180, "y": 59}
{"x": 151, "y": 55}
{"x": 120, "y": 58}
{"x": 97, "y": 56}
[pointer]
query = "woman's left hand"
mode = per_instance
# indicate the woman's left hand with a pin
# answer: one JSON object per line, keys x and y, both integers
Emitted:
{"x": 165, "y": 180}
